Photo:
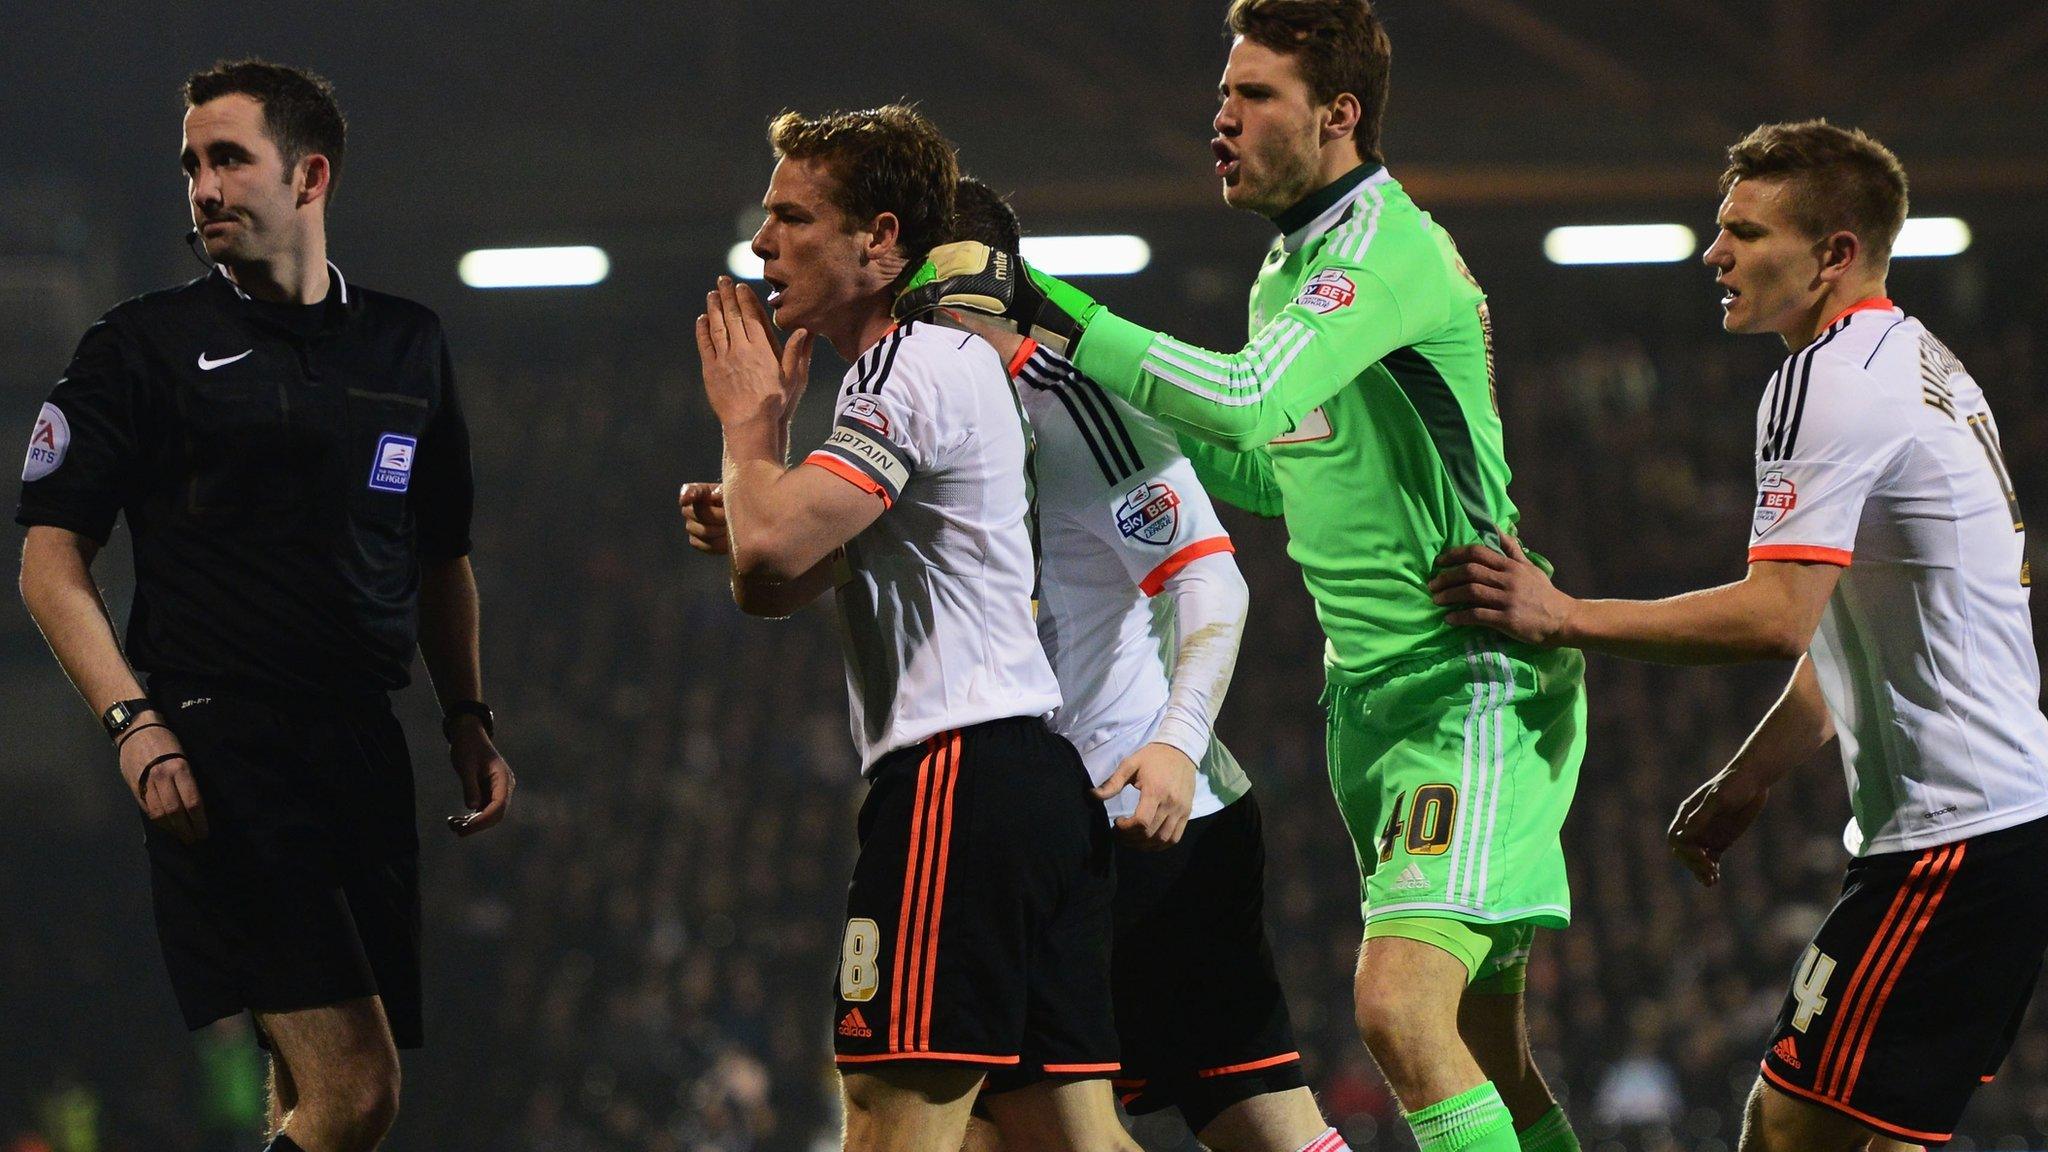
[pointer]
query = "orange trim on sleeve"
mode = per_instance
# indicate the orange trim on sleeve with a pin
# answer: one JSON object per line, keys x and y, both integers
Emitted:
{"x": 1024, "y": 352}
{"x": 1251, "y": 1066}
{"x": 1784, "y": 1085}
{"x": 1805, "y": 552}
{"x": 1155, "y": 580}
{"x": 1073, "y": 1069}
{"x": 851, "y": 475}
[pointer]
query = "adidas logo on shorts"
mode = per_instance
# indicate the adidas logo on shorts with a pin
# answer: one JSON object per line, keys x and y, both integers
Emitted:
{"x": 1411, "y": 879}
{"x": 1787, "y": 1051}
{"x": 854, "y": 1024}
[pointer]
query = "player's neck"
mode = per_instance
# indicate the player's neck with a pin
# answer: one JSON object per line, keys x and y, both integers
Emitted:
{"x": 298, "y": 277}
{"x": 864, "y": 325}
{"x": 1339, "y": 171}
{"x": 1832, "y": 305}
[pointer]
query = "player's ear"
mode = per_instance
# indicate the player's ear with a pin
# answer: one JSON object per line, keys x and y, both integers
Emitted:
{"x": 1340, "y": 117}
{"x": 314, "y": 178}
{"x": 1836, "y": 253}
{"x": 885, "y": 234}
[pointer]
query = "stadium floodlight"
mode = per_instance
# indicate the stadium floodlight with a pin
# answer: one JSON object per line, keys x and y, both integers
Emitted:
{"x": 741, "y": 261}
{"x": 1620, "y": 244}
{"x": 1111, "y": 255}
{"x": 570, "y": 267}
{"x": 1932, "y": 236}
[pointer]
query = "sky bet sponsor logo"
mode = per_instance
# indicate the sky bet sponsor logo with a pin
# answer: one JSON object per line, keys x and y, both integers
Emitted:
{"x": 392, "y": 470}
{"x": 1149, "y": 513}
{"x": 1776, "y": 496}
{"x": 1327, "y": 291}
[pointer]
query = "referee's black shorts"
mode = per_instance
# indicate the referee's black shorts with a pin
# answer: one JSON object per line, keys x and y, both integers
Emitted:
{"x": 978, "y": 920}
{"x": 306, "y": 890}
{"x": 1913, "y": 990}
{"x": 1203, "y": 1022}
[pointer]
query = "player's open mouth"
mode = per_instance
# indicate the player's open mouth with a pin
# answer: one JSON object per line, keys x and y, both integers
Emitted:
{"x": 1728, "y": 293}
{"x": 1226, "y": 158}
{"x": 775, "y": 289}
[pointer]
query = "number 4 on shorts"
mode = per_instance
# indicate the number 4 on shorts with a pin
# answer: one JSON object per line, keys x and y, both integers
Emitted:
{"x": 1814, "y": 973}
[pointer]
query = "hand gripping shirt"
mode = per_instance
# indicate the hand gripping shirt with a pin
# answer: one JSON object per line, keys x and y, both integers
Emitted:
{"x": 1119, "y": 513}
{"x": 1877, "y": 451}
{"x": 1362, "y": 410}
{"x": 935, "y": 596}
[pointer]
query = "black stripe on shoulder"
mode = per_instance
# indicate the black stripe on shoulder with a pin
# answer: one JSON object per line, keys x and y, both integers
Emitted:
{"x": 1113, "y": 420}
{"x": 1781, "y": 401}
{"x": 887, "y": 349}
{"x": 1035, "y": 375}
{"x": 1806, "y": 376}
{"x": 1881, "y": 339}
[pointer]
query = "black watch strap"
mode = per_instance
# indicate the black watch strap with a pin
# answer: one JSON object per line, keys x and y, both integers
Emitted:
{"x": 122, "y": 713}
{"x": 461, "y": 708}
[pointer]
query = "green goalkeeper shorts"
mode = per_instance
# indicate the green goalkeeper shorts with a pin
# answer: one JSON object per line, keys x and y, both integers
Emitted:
{"x": 1454, "y": 779}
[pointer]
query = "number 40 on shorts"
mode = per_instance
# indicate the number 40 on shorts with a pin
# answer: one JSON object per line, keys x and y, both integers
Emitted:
{"x": 1424, "y": 826}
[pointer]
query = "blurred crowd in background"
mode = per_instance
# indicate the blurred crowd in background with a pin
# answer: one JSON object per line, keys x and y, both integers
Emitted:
{"x": 640, "y": 959}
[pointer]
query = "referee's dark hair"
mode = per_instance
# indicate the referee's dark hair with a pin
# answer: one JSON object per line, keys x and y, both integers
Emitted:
{"x": 888, "y": 159}
{"x": 1339, "y": 45}
{"x": 980, "y": 213}
{"x": 299, "y": 110}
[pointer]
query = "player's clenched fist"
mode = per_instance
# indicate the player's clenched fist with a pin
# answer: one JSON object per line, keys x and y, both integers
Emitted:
{"x": 703, "y": 508}
{"x": 160, "y": 778}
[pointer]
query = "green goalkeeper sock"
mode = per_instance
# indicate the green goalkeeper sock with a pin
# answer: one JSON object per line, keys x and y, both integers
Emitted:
{"x": 1550, "y": 1134}
{"x": 1472, "y": 1121}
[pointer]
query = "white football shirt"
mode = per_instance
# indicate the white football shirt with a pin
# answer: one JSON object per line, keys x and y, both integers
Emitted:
{"x": 935, "y": 596}
{"x": 1876, "y": 451}
{"x": 1119, "y": 512}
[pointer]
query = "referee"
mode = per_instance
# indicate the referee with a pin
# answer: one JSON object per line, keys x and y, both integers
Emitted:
{"x": 292, "y": 461}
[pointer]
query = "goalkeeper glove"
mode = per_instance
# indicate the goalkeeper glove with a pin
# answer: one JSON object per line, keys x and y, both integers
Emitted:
{"x": 972, "y": 277}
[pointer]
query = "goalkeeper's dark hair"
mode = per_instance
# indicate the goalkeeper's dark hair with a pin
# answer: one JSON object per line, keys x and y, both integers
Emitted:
{"x": 300, "y": 114}
{"x": 981, "y": 213}
{"x": 1839, "y": 180}
{"x": 1340, "y": 46}
{"x": 888, "y": 159}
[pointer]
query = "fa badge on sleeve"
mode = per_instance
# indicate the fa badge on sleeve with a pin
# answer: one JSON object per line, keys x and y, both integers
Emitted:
{"x": 392, "y": 470}
{"x": 47, "y": 443}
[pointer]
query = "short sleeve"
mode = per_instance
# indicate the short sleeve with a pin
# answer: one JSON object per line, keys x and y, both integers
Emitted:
{"x": 1823, "y": 440}
{"x": 890, "y": 423}
{"x": 85, "y": 452}
{"x": 445, "y": 495}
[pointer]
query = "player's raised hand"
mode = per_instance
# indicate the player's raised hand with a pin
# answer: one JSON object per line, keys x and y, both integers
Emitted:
{"x": 1505, "y": 591}
{"x": 747, "y": 374}
{"x": 703, "y": 508}
{"x": 1165, "y": 779}
{"x": 1712, "y": 819}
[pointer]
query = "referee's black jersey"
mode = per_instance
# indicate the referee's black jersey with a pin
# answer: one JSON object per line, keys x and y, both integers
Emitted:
{"x": 285, "y": 470}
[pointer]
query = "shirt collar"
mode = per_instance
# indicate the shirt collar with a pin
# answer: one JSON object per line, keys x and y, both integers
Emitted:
{"x": 1320, "y": 210}
{"x": 1867, "y": 304}
{"x": 338, "y": 300}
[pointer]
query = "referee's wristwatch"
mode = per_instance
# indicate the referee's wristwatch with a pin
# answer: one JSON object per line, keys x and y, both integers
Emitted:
{"x": 120, "y": 715}
{"x": 461, "y": 708}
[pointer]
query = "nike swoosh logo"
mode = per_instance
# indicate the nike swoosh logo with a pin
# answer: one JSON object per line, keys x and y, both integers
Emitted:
{"x": 206, "y": 365}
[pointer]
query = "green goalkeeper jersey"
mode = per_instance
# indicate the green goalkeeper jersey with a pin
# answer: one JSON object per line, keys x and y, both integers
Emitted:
{"x": 1362, "y": 411}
